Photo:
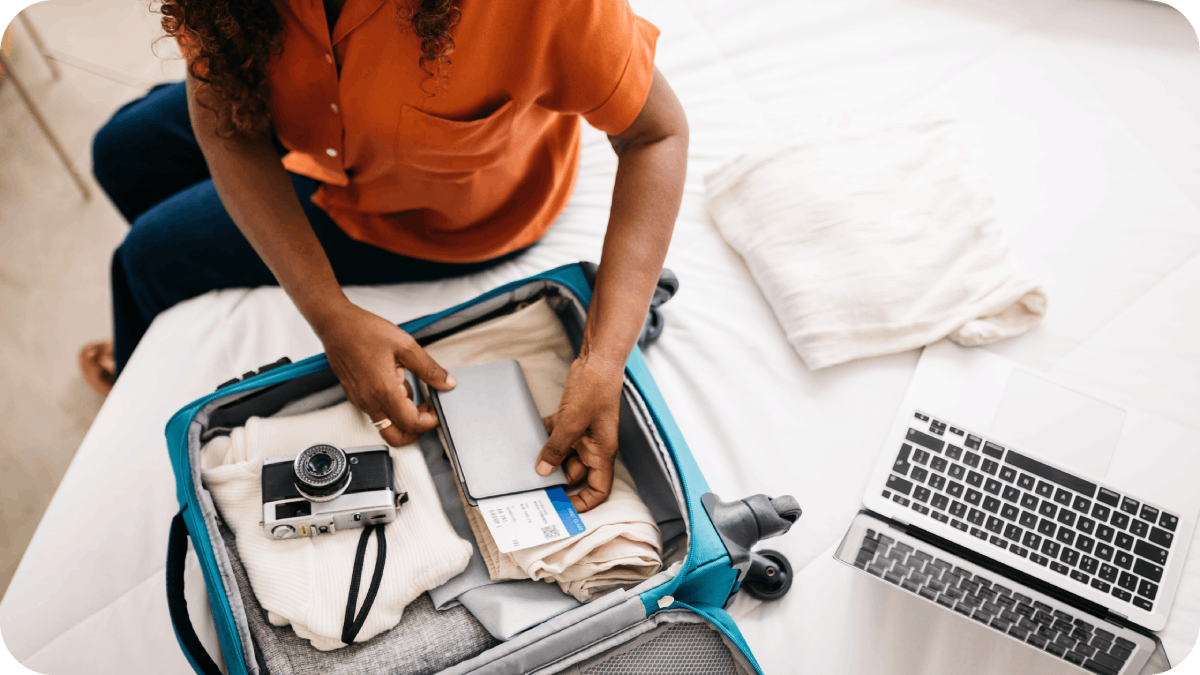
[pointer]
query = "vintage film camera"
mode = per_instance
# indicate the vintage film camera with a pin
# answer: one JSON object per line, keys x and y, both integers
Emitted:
{"x": 325, "y": 489}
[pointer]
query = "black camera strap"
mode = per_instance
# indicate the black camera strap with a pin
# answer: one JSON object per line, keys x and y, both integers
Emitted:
{"x": 353, "y": 624}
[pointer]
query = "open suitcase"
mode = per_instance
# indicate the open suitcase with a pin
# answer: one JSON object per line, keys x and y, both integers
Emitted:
{"x": 673, "y": 622}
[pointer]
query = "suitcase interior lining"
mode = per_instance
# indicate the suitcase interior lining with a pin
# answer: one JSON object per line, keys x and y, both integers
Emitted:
{"x": 608, "y": 618}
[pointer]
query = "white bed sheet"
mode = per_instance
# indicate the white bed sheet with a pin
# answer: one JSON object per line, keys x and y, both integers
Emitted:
{"x": 1093, "y": 188}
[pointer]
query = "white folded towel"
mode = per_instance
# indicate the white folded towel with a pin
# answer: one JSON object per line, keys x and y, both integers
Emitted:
{"x": 872, "y": 240}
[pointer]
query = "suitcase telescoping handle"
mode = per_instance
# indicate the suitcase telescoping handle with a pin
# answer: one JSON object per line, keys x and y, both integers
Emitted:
{"x": 177, "y": 547}
{"x": 765, "y": 574}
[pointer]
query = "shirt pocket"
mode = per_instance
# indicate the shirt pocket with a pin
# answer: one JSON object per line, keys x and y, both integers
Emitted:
{"x": 450, "y": 148}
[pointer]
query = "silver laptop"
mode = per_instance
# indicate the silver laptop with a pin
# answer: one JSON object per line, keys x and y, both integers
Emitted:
{"x": 1027, "y": 522}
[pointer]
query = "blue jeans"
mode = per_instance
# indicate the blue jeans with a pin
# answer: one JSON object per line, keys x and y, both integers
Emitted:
{"x": 182, "y": 243}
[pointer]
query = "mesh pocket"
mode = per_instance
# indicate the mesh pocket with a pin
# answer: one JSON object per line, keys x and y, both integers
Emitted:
{"x": 692, "y": 648}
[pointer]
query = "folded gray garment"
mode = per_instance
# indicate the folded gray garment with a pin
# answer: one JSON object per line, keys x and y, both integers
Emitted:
{"x": 425, "y": 641}
{"x": 505, "y": 608}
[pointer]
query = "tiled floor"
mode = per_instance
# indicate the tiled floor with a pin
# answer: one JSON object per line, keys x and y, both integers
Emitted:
{"x": 54, "y": 245}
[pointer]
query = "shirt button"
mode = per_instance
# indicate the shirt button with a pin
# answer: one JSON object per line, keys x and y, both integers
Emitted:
{"x": 333, "y": 107}
{"x": 329, "y": 58}
{"x": 331, "y": 152}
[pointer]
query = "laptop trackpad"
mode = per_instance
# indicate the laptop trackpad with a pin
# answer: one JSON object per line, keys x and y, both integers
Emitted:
{"x": 1058, "y": 424}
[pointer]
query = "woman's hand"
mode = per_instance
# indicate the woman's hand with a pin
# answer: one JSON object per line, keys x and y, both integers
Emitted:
{"x": 583, "y": 433}
{"x": 369, "y": 355}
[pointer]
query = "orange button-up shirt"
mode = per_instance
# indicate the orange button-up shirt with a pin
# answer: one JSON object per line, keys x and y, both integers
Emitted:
{"x": 485, "y": 164}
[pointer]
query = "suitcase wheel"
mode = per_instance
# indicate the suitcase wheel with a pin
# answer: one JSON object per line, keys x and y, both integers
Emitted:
{"x": 770, "y": 575}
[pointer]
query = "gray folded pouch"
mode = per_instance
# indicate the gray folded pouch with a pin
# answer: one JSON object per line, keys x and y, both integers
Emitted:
{"x": 493, "y": 432}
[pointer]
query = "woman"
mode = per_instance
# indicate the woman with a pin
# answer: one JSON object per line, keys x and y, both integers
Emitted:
{"x": 419, "y": 139}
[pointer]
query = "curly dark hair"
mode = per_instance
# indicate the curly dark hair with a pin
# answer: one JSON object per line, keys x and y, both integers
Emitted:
{"x": 231, "y": 43}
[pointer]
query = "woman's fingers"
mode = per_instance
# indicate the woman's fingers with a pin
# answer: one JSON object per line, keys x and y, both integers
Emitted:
{"x": 599, "y": 485}
{"x": 412, "y": 356}
{"x": 557, "y": 448}
{"x": 575, "y": 470}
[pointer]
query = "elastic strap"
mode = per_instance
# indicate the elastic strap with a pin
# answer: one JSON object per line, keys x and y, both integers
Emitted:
{"x": 353, "y": 624}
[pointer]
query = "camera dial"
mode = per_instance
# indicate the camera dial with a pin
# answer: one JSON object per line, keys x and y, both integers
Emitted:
{"x": 321, "y": 473}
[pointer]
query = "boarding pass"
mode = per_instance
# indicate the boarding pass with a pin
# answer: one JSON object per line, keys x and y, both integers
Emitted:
{"x": 532, "y": 518}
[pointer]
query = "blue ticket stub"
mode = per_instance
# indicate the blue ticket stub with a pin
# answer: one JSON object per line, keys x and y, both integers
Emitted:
{"x": 530, "y": 518}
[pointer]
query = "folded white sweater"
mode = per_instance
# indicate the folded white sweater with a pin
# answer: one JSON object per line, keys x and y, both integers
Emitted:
{"x": 873, "y": 239}
{"x": 305, "y": 581}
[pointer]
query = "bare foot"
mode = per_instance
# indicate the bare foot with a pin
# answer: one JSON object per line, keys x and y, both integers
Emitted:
{"x": 98, "y": 366}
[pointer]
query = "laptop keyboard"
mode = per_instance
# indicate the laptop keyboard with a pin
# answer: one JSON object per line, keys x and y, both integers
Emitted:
{"x": 1091, "y": 535}
{"x": 993, "y": 604}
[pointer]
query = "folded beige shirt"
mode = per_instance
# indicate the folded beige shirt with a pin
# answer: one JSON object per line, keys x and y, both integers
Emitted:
{"x": 622, "y": 547}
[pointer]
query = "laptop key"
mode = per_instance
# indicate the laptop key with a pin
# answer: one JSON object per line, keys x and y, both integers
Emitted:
{"x": 1100, "y": 585}
{"x": 992, "y": 486}
{"x": 1101, "y": 512}
{"x": 1124, "y": 540}
{"x": 976, "y": 517}
{"x": 1082, "y": 504}
{"x": 1150, "y": 552}
{"x": 1069, "y": 556}
{"x": 945, "y": 600}
{"x": 1013, "y": 533}
{"x": 1008, "y": 474}
{"x": 1109, "y": 497}
{"x": 1046, "y": 528}
{"x": 1044, "y": 489}
{"x": 1148, "y": 570}
{"x": 997, "y": 541}
{"x": 957, "y": 471}
{"x": 1108, "y": 573}
{"x": 1104, "y": 552}
{"x": 958, "y": 509}
{"x": 954, "y": 489}
{"x": 1122, "y": 595}
{"x": 940, "y": 501}
{"x": 1065, "y": 536}
{"x": 1041, "y": 560}
{"x": 1080, "y": 577}
{"x": 902, "y": 501}
{"x": 1168, "y": 521}
{"x": 1130, "y": 506}
{"x": 1143, "y": 603}
{"x": 937, "y": 481}
{"x": 1085, "y": 525}
{"x": 1139, "y": 527}
{"x": 1059, "y": 567}
{"x": 1010, "y": 512}
{"x": 920, "y": 438}
{"x": 989, "y": 467}
{"x": 994, "y": 525}
{"x": 978, "y": 533}
{"x": 973, "y": 497}
{"x": 1062, "y": 497}
{"x": 1018, "y": 551}
{"x": 939, "y": 464}
{"x": 1149, "y": 513}
{"x": 959, "y": 525}
{"x": 1026, "y": 482}
{"x": 1011, "y": 493}
{"x": 1120, "y": 520}
{"x": 1147, "y": 589}
{"x": 1105, "y": 533}
{"x": 1085, "y": 543}
{"x": 1123, "y": 560}
{"x": 1055, "y": 649}
{"x": 1161, "y": 537}
{"x": 1048, "y": 509}
{"x": 899, "y": 484}
{"x": 971, "y": 460}
{"x": 1089, "y": 564}
{"x": 1099, "y": 668}
{"x": 973, "y": 441}
{"x": 954, "y": 452}
{"x": 1029, "y": 502}
{"x": 1123, "y": 644}
{"x": 1077, "y": 659}
{"x": 922, "y": 494}
{"x": 1031, "y": 540}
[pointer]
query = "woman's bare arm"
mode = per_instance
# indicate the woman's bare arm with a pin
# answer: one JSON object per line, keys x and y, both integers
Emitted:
{"x": 368, "y": 353}
{"x": 651, "y": 169}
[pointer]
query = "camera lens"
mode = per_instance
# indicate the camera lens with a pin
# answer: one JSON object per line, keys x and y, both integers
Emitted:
{"x": 321, "y": 472}
{"x": 320, "y": 464}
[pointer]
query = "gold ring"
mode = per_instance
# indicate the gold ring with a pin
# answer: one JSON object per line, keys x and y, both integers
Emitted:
{"x": 382, "y": 424}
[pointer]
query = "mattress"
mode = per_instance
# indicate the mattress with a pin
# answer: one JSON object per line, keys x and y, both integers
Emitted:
{"x": 1084, "y": 116}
